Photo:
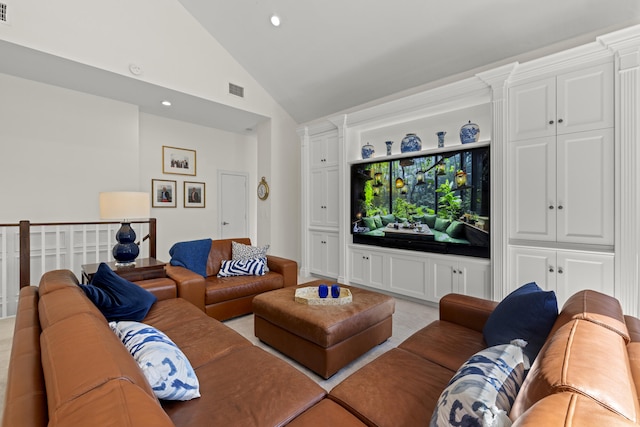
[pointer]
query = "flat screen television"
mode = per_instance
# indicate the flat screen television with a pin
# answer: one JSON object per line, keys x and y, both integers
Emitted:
{"x": 434, "y": 203}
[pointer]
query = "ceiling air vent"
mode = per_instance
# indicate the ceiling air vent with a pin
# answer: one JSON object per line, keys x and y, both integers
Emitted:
{"x": 3, "y": 13}
{"x": 236, "y": 90}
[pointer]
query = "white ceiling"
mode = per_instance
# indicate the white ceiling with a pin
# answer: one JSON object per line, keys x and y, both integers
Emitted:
{"x": 331, "y": 55}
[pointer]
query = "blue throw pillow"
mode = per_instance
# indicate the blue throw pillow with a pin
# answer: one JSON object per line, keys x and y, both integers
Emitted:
{"x": 117, "y": 298}
{"x": 527, "y": 313}
{"x": 191, "y": 255}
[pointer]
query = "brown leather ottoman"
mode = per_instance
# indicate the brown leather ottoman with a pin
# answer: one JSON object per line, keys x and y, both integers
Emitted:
{"x": 324, "y": 338}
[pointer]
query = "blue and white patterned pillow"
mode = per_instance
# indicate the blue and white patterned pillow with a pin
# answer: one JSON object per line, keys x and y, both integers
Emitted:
{"x": 243, "y": 267}
{"x": 483, "y": 390}
{"x": 164, "y": 365}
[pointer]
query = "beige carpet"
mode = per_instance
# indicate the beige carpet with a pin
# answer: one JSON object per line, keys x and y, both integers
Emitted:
{"x": 408, "y": 318}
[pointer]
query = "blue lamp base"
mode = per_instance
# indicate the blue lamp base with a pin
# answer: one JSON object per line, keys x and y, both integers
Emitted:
{"x": 125, "y": 251}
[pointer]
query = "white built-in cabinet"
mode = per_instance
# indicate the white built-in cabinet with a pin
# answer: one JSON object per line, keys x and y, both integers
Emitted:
{"x": 423, "y": 275}
{"x": 570, "y": 102}
{"x": 462, "y": 275}
{"x": 561, "y": 182}
{"x": 367, "y": 266}
{"x": 563, "y": 271}
{"x": 324, "y": 182}
{"x": 323, "y": 207}
{"x": 321, "y": 225}
{"x": 564, "y": 134}
{"x": 324, "y": 253}
{"x": 562, "y": 188}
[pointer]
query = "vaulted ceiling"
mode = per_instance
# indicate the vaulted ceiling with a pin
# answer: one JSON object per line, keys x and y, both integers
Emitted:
{"x": 331, "y": 55}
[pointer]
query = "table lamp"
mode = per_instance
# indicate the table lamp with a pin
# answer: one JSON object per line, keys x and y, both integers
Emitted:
{"x": 124, "y": 206}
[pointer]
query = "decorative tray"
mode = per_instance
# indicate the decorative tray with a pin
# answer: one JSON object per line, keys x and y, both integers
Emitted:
{"x": 309, "y": 296}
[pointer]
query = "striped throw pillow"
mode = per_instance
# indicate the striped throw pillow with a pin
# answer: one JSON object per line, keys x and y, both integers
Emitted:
{"x": 243, "y": 267}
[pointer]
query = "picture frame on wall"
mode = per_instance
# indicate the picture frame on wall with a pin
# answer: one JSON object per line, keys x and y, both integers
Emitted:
{"x": 163, "y": 193}
{"x": 194, "y": 195}
{"x": 179, "y": 161}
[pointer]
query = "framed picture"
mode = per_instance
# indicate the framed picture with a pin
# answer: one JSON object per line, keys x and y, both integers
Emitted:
{"x": 194, "y": 194}
{"x": 163, "y": 193}
{"x": 179, "y": 161}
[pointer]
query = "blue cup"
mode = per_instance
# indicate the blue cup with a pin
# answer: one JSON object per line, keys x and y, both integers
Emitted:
{"x": 323, "y": 291}
{"x": 335, "y": 290}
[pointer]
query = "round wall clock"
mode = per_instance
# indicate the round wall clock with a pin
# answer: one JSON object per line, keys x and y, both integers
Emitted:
{"x": 263, "y": 189}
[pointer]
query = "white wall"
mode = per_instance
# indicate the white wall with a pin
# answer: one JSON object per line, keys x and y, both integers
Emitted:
{"x": 60, "y": 148}
{"x": 215, "y": 150}
{"x": 177, "y": 53}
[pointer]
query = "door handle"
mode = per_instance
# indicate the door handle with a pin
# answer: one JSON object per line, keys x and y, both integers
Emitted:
{"x": 225, "y": 223}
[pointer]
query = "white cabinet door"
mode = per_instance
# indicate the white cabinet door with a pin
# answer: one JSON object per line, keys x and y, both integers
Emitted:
{"x": 359, "y": 266}
{"x": 368, "y": 267}
{"x": 317, "y": 263}
{"x": 324, "y": 254}
{"x": 533, "y": 109}
{"x": 532, "y": 183}
{"x": 532, "y": 265}
{"x": 565, "y": 272}
{"x": 581, "y": 270}
{"x": 408, "y": 276}
{"x": 324, "y": 200}
{"x": 454, "y": 274}
{"x": 585, "y": 187}
{"x": 562, "y": 188}
{"x": 585, "y": 99}
{"x": 317, "y": 212}
{"x": 443, "y": 275}
{"x": 474, "y": 278}
{"x": 571, "y": 102}
{"x": 324, "y": 150}
{"x": 333, "y": 255}
{"x": 331, "y": 204}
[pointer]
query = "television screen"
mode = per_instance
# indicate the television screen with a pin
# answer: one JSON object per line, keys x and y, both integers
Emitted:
{"x": 437, "y": 203}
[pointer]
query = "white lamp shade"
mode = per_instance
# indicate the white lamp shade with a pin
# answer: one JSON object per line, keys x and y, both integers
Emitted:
{"x": 123, "y": 205}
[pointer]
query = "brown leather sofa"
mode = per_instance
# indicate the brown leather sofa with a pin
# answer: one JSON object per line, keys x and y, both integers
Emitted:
{"x": 67, "y": 368}
{"x": 226, "y": 297}
{"x": 586, "y": 374}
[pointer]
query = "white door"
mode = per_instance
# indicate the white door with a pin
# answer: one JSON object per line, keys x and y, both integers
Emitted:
{"x": 233, "y": 204}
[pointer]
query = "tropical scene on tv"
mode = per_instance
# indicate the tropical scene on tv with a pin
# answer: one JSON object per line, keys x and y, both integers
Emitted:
{"x": 444, "y": 195}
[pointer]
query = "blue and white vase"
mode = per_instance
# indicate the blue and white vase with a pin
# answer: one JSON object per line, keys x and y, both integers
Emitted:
{"x": 410, "y": 143}
{"x": 368, "y": 151}
{"x": 441, "y": 138}
{"x": 389, "y": 144}
{"x": 469, "y": 133}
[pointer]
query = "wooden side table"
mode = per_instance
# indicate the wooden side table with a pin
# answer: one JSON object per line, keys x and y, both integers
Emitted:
{"x": 144, "y": 269}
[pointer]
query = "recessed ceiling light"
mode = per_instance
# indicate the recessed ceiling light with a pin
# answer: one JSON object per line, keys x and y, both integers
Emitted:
{"x": 166, "y": 103}
{"x": 275, "y": 20}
